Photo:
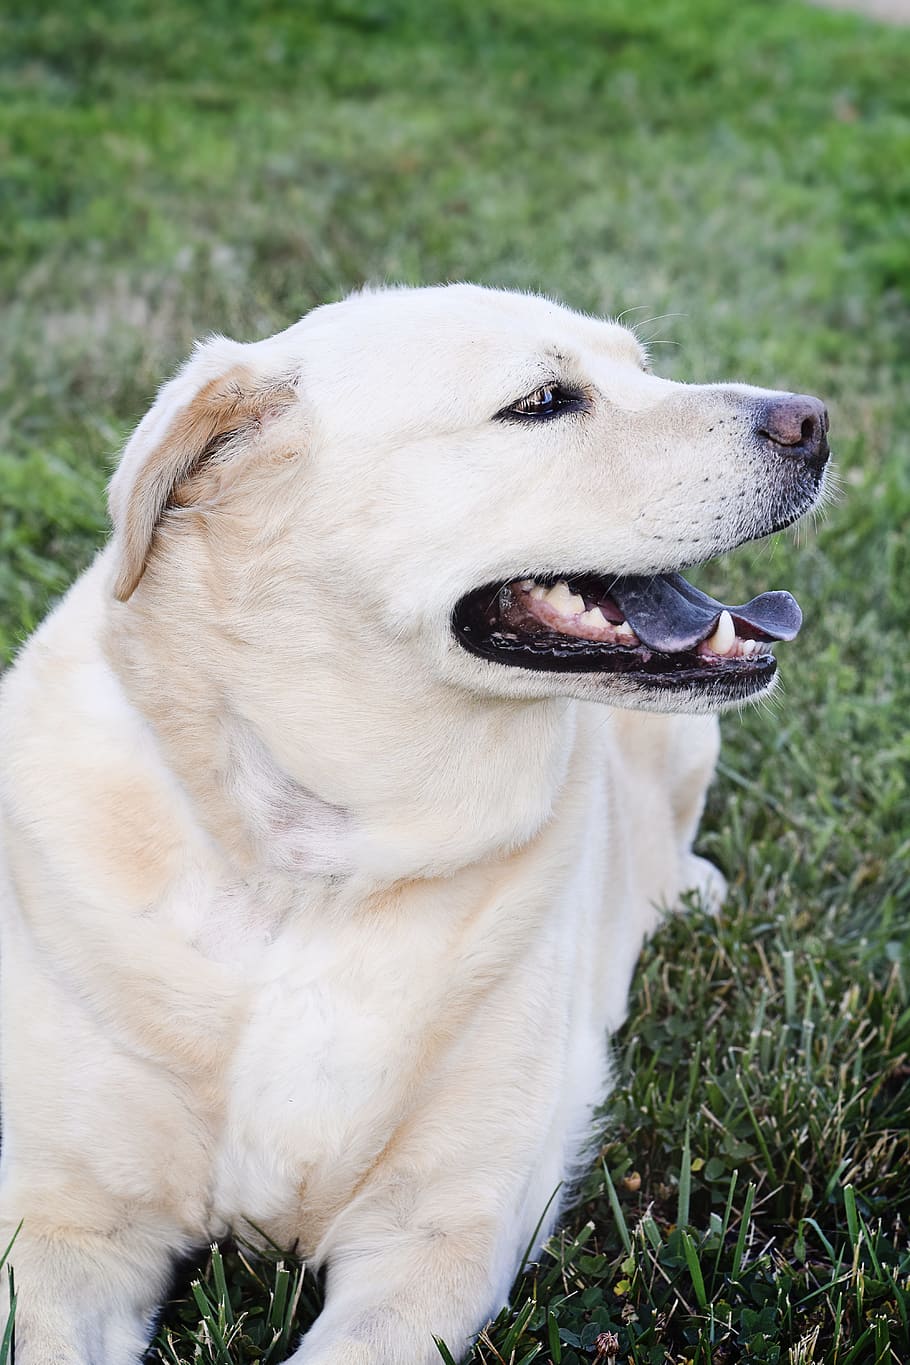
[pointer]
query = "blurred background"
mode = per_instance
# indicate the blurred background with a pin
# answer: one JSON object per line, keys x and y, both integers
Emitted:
{"x": 735, "y": 179}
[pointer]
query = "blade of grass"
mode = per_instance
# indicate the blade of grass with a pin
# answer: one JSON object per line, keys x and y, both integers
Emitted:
{"x": 698, "y": 1282}
{"x": 6, "y": 1341}
{"x": 685, "y": 1183}
{"x": 743, "y": 1232}
{"x": 725, "y": 1225}
{"x": 224, "y": 1297}
{"x": 444, "y": 1351}
{"x": 553, "y": 1338}
{"x": 618, "y": 1215}
{"x": 534, "y": 1235}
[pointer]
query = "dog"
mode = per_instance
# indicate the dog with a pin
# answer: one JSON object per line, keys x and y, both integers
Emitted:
{"x": 340, "y": 793}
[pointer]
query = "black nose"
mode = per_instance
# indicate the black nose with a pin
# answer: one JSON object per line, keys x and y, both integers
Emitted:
{"x": 796, "y": 426}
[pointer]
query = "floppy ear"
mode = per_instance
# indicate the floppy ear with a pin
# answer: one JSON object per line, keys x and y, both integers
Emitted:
{"x": 223, "y": 391}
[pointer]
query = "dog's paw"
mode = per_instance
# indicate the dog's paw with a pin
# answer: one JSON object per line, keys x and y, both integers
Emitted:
{"x": 705, "y": 882}
{"x": 340, "y": 1353}
{"x": 377, "y": 1337}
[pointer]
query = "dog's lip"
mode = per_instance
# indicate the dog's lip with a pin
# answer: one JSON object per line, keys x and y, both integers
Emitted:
{"x": 670, "y": 615}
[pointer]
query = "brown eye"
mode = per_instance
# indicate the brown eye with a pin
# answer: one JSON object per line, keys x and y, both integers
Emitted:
{"x": 541, "y": 401}
{"x": 550, "y": 400}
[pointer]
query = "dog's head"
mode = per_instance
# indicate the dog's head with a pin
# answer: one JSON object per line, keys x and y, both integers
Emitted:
{"x": 488, "y": 487}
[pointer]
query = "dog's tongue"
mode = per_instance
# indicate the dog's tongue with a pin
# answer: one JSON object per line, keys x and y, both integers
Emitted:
{"x": 669, "y": 615}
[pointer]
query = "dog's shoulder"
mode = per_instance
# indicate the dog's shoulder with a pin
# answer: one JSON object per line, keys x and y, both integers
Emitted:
{"x": 80, "y": 780}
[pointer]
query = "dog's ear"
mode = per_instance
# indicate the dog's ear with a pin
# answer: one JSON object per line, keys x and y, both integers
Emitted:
{"x": 217, "y": 403}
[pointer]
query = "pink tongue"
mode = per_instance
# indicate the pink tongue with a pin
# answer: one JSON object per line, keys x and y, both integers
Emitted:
{"x": 668, "y": 614}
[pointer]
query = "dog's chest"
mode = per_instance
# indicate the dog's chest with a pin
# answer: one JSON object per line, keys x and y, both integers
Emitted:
{"x": 340, "y": 1015}
{"x": 349, "y": 1020}
{"x": 353, "y": 1019}
{"x": 323, "y": 1032}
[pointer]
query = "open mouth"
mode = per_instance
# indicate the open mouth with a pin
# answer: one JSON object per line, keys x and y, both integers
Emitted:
{"x": 656, "y": 630}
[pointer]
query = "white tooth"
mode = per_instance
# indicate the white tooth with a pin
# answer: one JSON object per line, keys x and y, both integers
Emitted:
{"x": 566, "y": 603}
{"x": 594, "y": 617}
{"x": 724, "y": 637}
{"x": 526, "y": 584}
{"x": 626, "y": 631}
{"x": 537, "y": 592}
{"x": 748, "y": 647}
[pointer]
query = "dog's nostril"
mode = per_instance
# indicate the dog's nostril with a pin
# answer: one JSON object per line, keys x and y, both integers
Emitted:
{"x": 797, "y": 424}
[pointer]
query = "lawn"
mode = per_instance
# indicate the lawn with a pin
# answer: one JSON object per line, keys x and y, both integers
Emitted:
{"x": 168, "y": 170}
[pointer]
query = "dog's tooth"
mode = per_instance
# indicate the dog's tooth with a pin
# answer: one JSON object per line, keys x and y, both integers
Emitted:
{"x": 526, "y": 584}
{"x": 748, "y": 647}
{"x": 625, "y": 631}
{"x": 724, "y": 637}
{"x": 566, "y": 602}
{"x": 594, "y": 617}
{"x": 537, "y": 592}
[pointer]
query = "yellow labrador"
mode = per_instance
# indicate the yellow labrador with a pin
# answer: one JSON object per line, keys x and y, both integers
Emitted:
{"x": 335, "y": 808}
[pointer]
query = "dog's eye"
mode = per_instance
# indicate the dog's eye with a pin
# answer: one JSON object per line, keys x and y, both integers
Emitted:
{"x": 550, "y": 400}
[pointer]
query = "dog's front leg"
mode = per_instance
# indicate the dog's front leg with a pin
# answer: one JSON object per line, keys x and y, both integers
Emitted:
{"x": 105, "y": 1166}
{"x": 83, "y": 1297}
{"x": 391, "y": 1289}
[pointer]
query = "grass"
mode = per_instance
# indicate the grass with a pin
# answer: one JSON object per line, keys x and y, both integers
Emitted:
{"x": 169, "y": 170}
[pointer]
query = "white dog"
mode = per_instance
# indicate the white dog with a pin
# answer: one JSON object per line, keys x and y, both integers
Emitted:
{"x": 328, "y": 854}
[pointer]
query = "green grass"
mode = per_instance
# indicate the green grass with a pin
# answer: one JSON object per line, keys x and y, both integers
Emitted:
{"x": 169, "y": 170}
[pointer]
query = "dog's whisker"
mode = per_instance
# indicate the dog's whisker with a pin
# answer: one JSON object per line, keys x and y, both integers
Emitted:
{"x": 637, "y": 308}
{"x": 646, "y": 322}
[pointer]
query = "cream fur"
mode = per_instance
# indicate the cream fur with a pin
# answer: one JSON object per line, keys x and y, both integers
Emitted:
{"x": 311, "y": 919}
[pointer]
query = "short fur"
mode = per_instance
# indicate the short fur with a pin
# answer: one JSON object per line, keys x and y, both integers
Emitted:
{"x": 311, "y": 920}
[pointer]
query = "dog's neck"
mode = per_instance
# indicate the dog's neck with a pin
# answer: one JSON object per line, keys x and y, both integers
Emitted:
{"x": 449, "y": 795}
{"x": 420, "y": 784}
